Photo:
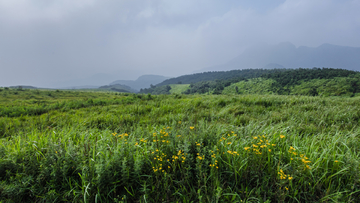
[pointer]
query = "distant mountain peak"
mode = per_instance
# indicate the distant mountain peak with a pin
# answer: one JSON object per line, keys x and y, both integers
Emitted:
{"x": 143, "y": 81}
{"x": 286, "y": 54}
{"x": 287, "y": 45}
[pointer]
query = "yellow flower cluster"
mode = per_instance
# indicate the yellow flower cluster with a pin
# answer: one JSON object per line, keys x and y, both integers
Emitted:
{"x": 179, "y": 156}
{"x": 200, "y": 157}
{"x": 163, "y": 134}
{"x": 121, "y": 135}
{"x": 214, "y": 165}
{"x": 222, "y": 139}
{"x": 159, "y": 159}
{"x": 232, "y": 134}
{"x": 215, "y": 162}
{"x": 301, "y": 157}
{"x": 198, "y": 144}
{"x": 234, "y": 153}
{"x": 261, "y": 143}
{"x": 228, "y": 135}
{"x": 159, "y": 168}
{"x": 283, "y": 176}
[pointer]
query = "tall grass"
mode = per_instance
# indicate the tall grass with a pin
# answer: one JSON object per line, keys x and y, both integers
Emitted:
{"x": 184, "y": 148}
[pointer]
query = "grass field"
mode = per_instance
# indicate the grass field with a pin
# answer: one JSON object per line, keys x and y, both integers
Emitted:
{"x": 69, "y": 146}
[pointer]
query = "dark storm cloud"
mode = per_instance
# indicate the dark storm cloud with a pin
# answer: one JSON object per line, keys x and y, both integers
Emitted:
{"x": 45, "y": 43}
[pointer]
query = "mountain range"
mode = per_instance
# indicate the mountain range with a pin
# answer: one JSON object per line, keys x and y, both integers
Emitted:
{"x": 287, "y": 55}
{"x": 143, "y": 81}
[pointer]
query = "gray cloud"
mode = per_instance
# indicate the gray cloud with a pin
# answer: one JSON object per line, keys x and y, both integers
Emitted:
{"x": 43, "y": 43}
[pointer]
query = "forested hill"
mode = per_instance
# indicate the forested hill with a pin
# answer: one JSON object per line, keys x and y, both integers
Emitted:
{"x": 217, "y": 75}
{"x": 315, "y": 81}
{"x": 295, "y": 76}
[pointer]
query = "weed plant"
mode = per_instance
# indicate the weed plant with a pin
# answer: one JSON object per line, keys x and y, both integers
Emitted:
{"x": 182, "y": 148}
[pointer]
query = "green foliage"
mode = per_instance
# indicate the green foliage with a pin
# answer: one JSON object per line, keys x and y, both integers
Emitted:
{"x": 341, "y": 86}
{"x": 218, "y": 75}
{"x": 295, "y": 76}
{"x": 156, "y": 90}
{"x": 182, "y": 148}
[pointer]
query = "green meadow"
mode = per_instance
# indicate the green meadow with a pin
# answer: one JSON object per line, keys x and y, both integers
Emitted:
{"x": 74, "y": 146}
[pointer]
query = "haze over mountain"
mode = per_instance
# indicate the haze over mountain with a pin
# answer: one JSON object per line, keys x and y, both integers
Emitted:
{"x": 287, "y": 55}
{"x": 143, "y": 81}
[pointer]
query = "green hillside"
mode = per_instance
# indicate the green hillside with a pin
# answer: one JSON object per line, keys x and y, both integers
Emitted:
{"x": 251, "y": 86}
{"x": 178, "y": 88}
{"x": 339, "y": 86}
{"x": 118, "y": 88}
{"x": 217, "y": 75}
{"x": 313, "y": 82}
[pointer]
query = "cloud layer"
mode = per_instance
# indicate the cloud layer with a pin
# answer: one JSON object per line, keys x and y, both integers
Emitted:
{"x": 44, "y": 43}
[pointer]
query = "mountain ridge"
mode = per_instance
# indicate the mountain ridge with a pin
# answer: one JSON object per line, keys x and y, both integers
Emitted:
{"x": 143, "y": 81}
{"x": 288, "y": 55}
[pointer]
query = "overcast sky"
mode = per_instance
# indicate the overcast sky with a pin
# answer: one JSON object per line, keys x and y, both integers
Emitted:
{"x": 47, "y": 42}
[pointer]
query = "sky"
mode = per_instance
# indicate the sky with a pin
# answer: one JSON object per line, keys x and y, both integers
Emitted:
{"x": 57, "y": 43}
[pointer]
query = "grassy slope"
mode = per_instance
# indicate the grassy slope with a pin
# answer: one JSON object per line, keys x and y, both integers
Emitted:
{"x": 251, "y": 86}
{"x": 340, "y": 86}
{"x": 134, "y": 148}
{"x": 326, "y": 87}
{"x": 178, "y": 88}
